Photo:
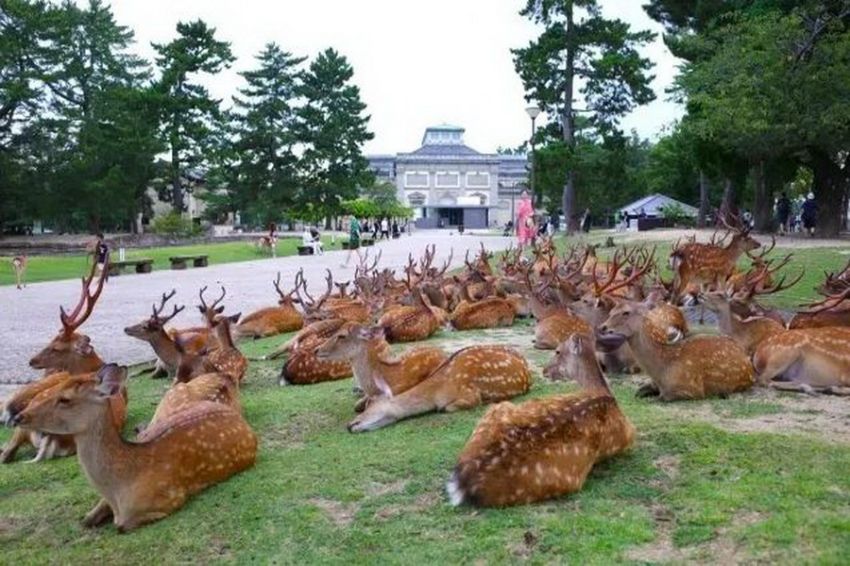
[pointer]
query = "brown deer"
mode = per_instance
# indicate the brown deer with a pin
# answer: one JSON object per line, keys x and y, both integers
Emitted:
{"x": 376, "y": 371}
{"x": 153, "y": 332}
{"x": 225, "y": 359}
{"x": 147, "y": 480}
{"x": 19, "y": 265}
{"x": 833, "y": 310}
{"x": 271, "y": 321}
{"x": 71, "y": 351}
{"x": 808, "y": 359}
{"x": 303, "y": 367}
{"x": 554, "y": 321}
{"x": 212, "y": 387}
{"x": 490, "y": 312}
{"x": 680, "y": 368}
{"x": 708, "y": 263}
{"x": 468, "y": 378}
{"x": 48, "y": 446}
{"x": 546, "y": 447}
{"x": 320, "y": 330}
{"x": 410, "y": 323}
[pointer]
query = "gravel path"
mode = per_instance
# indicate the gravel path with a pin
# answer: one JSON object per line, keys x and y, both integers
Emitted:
{"x": 30, "y": 318}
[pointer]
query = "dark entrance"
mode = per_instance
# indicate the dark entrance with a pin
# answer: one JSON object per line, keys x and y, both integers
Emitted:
{"x": 450, "y": 216}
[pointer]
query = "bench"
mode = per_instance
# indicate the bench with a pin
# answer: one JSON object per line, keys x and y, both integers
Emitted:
{"x": 143, "y": 265}
{"x": 181, "y": 261}
{"x": 305, "y": 250}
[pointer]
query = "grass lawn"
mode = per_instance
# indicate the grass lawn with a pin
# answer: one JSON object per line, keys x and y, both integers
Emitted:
{"x": 50, "y": 268}
{"x": 755, "y": 477}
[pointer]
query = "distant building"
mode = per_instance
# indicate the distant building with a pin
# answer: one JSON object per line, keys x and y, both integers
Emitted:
{"x": 447, "y": 183}
{"x": 652, "y": 206}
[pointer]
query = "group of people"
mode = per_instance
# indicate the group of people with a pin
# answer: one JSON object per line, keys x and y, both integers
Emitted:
{"x": 794, "y": 216}
{"x": 356, "y": 229}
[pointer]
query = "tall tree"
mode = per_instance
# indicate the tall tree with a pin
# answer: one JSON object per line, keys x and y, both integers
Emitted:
{"x": 189, "y": 113}
{"x": 264, "y": 174}
{"x": 580, "y": 47}
{"x": 333, "y": 129}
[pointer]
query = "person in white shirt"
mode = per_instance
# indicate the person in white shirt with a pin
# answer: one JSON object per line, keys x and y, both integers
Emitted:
{"x": 385, "y": 229}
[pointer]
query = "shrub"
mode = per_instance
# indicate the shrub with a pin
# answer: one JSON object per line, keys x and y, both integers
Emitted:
{"x": 675, "y": 214}
{"x": 175, "y": 225}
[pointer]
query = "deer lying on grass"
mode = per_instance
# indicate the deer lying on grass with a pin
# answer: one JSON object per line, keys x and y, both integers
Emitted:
{"x": 146, "y": 480}
{"x": 833, "y": 310}
{"x": 490, "y": 312}
{"x": 49, "y": 446}
{"x": 468, "y": 378}
{"x": 554, "y": 321}
{"x": 272, "y": 321}
{"x": 303, "y": 367}
{"x": 71, "y": 351}
{"x": 376, "y": 371}
{"x": 698, "y": 263}
{"x": 546, "y": 447}
{"x": 680, "y": 368}
{"x": 19, "y": 265}
{"x": 209, "y": 387}
{"x": 225, "y": 359}
{"x": 153, "y": 332}
{"x": 411, "y": 323}
{"x": 329, "y": 306}
{"x": 805, "y": 360}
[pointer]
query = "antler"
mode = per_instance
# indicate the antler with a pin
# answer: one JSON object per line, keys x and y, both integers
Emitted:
{"x": 217, "y": 301}
{"x": 158, "y": 311}
{"x": 300, "y": 283}
{"x": 70, "y": 322}
{"x": 830, "y": 302}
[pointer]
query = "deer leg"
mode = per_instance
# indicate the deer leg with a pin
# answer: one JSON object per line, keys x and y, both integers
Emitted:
{"x": 19, "y": 438}
{"x": 98, "y": 516}
{"x": 648, "y": 390}
{"x": 462, "y": 402}
{"x": 792, "y": 387}
{"x": 44, "y": 450}
{"x": 837, "y": 390}
{"x": 133, "y": 523}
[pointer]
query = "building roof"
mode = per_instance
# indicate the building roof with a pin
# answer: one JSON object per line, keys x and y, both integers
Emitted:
{"x": 652, "y": 204}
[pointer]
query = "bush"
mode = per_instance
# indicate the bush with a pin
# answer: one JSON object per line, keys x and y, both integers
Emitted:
{"x": 676, "y": 215}
{"x": 175, "y": 225}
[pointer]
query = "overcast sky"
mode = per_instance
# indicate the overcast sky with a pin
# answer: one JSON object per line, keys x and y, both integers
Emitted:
{"x": 416, "y": 63}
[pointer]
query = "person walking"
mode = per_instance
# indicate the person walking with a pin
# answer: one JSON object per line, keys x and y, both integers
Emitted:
{"x": 101, "y": 253}
{"x": 526, "y": 229}
{"x": 385, "y": 229}
{"x": 783, "y": 213}
{"x": 809, "y": 214}
{"x": 353, "y": 241}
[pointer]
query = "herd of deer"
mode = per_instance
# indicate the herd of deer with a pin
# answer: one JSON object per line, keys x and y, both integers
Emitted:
{"x": 616, "y": 316}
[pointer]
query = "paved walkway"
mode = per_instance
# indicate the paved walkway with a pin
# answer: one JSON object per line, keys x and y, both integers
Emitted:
{"x": 30, "y": 318}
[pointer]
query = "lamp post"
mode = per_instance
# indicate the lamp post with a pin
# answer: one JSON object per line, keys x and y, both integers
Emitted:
{"x": 533, "y": 112}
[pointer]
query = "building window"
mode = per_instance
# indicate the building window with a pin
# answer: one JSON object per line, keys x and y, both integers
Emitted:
{"x": 478, "y": 179}
{"x": 482, "y": 198}
{"x": 416, "y": 179}
{"x": 446, "y": 179}
{"x": 416, "y": 199}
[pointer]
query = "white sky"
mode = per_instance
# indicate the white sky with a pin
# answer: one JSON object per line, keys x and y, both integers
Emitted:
{"x": 417, "y": 63}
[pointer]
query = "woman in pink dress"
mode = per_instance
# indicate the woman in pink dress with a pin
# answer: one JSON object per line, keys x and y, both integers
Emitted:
{"x": 525, "y": 220}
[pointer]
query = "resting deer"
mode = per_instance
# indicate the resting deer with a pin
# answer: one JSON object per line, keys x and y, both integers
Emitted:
{"x": 209, "y": 387}
{"x": 225, "y": 359}
{"x": 48, "y": 446}
{"x": 71, "y": 351}
{"x": 697, "y": 263}
{"x": 411, "y": 323}
{"x": 271, "y": 321}
{"x": 545, "y": 447}
{"x": 468, "y": 378}
{"x": 680, "y": 368}
{"x": 377, "y": 372}
{"x": 554, "y": 321}
{"x": 147, "y": 480}
{"x": 747, "y": 332}
{"x": 491, "y": 312}
{"x": 19, "y": 265}
{"x": 833, "y": 310}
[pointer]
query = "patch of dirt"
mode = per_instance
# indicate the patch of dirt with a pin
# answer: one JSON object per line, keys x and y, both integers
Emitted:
{"x": 293, "y": 434}
{"x": 340, "y": 514}
{"x": 377, "y": 489}
{"x": 669, "y": 465}
{"x": 524, "y": 549}
{"x": 421, "y": 503}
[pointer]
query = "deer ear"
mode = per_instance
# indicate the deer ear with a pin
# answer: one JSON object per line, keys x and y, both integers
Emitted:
{"x": 110, "y": 379}
{"x": 234, "y": 318}
{"x": 219, "y": 310}
{"x": 574, "y": 344}
{"x": 83, "y": 346}
{"x": 383, "y": 386}
{"x": 202, "y": 310}
{"x": 674, "y": 335}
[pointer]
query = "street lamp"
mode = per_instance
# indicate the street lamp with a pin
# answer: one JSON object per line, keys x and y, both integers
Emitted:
{"x": 533, "y": 112}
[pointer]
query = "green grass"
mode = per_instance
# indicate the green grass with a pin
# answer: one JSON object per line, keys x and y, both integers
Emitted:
{"x": 321, "y": 495}
{"x": 53, "y": 267}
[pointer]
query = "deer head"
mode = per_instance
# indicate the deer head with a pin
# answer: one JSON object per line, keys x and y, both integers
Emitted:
{"x": 348, "y": 342}
{"x": 70, "y": 350}
{"x": 156, "y": 323}
{"x": 575, "y": 358}
{"x": 210, "y": 312}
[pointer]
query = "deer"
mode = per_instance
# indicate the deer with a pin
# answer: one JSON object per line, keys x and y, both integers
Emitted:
{"x": 225, "y": 359}
{"x": 208, "y": 387}
{"x": 268, "y": 242}
{"x": 490, "y": 312}
{"x": 708, "y": 263}
{"x": 679, "y": 368}
{"x": 410, "y": 323}
{"x": 554, "y": 322}
{"x": 808, "y": 359}
{"x": 146, "y": 480}
{"x": 153, "y": 331}
{"x": 376, "y": 371}
{"x": 833, "y": 310}
{"x": 48, "y": 446}
{"x": 303, "y": 367}
{"x": 468, "y": 378}
{"x": 19, "y": 266}
{"x": 543, "y": 448}
{"x": 271, "y": 321}
{"x": 69, "y": 350}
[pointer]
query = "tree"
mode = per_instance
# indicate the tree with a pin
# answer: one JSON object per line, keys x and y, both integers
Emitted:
{"x": 264, "y": 175}
{"x": 189, "y": 113}
{"x": 332, "y": 130}
{"x": 580, "y": 47}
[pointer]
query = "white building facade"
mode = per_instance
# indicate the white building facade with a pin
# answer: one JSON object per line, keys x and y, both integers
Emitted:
{"x": 448, "y": 184}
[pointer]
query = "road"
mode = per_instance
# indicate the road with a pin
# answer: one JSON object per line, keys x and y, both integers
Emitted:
{"x": 30, "y": 318}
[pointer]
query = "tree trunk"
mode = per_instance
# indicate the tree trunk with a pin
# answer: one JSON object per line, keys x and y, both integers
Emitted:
{"x": 569, "y": 196}
{"x": 176, "y": 186}
{"x": 763, "y": 209}
{"x": 829, "y": 189}
{"x": 728, "y": 209}
{"x": 703, "y": 200}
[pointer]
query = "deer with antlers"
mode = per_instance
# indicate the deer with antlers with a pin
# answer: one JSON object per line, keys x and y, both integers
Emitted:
{"x": 271, "y": 321}
{"x": 69, "y": 350}
{"x": 417, "y": 321}
{"x": 680, "y": 368}
{"x": 490, "y": 312}
{"x": 708, "y": 263}
{"x": 546, "y": 447}
{"x": 146, "y": 480}
{"x": 468, "y": 378}
{"x": 555, "y": 321}
{"x": 377, "y": 372}
{"x": 832, "y": 310}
